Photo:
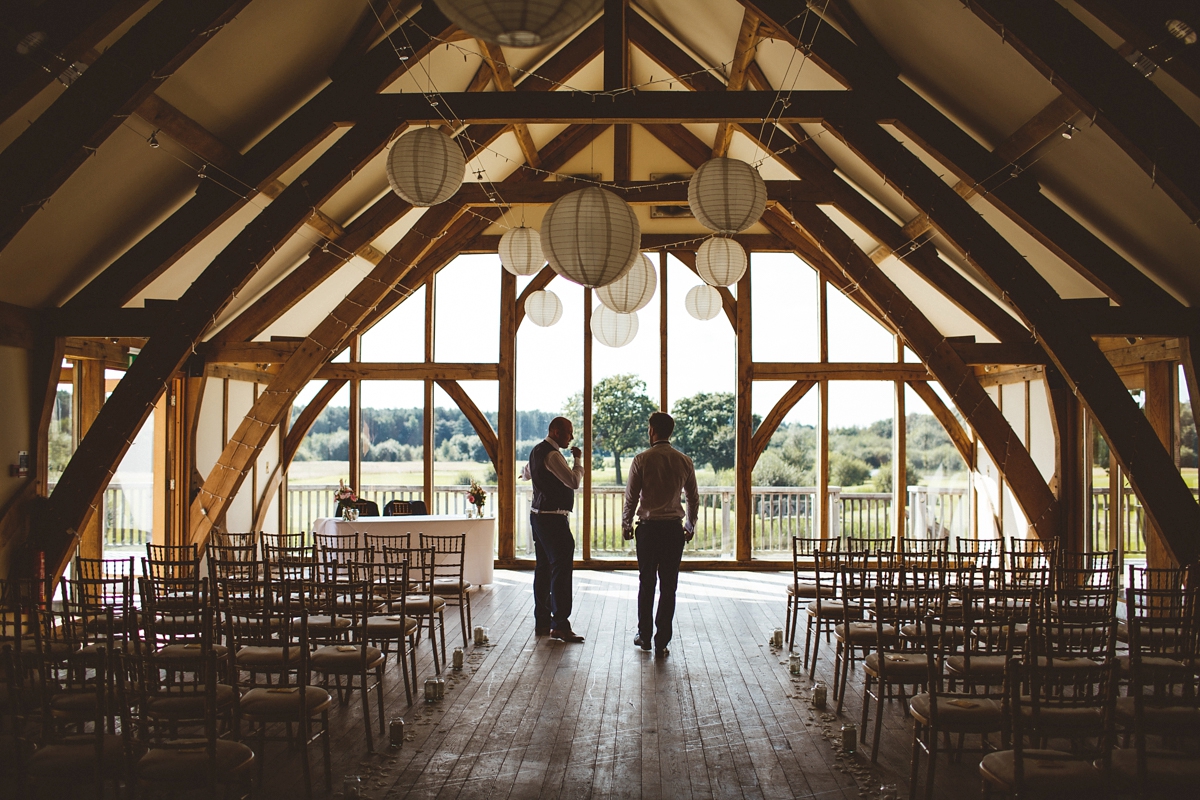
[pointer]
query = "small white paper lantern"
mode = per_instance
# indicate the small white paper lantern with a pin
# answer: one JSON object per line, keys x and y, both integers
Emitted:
{"x": 721, "y": 261}
{"x": 727, "y": 195}
{"x": 425, "y": 166}
{"x": 632, "y": 292}
{"x": 591, "y": 237}
{"x": 520, "y": 23}
{"x": 703, "y": 302}
{"x": 521, "y": 251}
{"x": 612, "y": 329}
{"x": 543, "y": 308}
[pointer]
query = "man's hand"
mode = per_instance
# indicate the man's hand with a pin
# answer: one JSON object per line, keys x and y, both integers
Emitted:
{"x": 628, "y": 534}
{"x": 577, "y": 453}
{"x": 688, "y": 533}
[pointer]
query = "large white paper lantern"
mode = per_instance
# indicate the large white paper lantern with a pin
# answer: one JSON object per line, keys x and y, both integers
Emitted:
{"x": 721, "y": 261}
{"x": 425, "y": 166}
{"x": 520, "y": 23}
{"x": 543, "y": 308}
{"x": 703, "y": 302}
{"x": 727, "y": 195}
{"x": 632, "y": 292}
{"x": 612, "y": 329}
{"x": 521, "y": 251}
{"x": 591, "y": 237}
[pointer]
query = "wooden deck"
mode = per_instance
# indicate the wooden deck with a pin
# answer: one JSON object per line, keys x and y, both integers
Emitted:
{"x": 531, "y": 717}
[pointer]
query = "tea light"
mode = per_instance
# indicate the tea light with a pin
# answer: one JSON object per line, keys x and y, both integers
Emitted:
{"x": 777, "y": 637}
{"x": 849, "y": 738}
{"x": 820, "y": 694}
{"x": 458, "y": 658}
{"x": 396, "y": 733}
{"x": 794, "y": 664}
{"x": 431, "y": 688}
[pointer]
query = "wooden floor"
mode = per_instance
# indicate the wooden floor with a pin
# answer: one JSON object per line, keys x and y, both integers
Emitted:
{"x": 532, "y": 717}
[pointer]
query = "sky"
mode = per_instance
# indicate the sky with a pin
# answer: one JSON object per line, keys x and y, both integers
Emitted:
{"x": 701, "y": 355}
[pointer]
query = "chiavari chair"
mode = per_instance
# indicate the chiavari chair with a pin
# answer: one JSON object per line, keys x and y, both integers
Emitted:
{"x": 803, "y": 588}
{"x": 449, "y": 582}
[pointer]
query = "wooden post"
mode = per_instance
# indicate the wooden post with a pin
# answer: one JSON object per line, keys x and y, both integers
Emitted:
{"x": 616, "y": 76}
{"x": 822, "y": 459}
{"x": 89, "y": 377}
{"x": 1162, "y": 397}
{"x": 355, "y": 424}
{"x": 428, "y": 420}
{"x": 586, "y": 498}
{"x": 900, "y": 458}
{"x": 744, "y": 470}
{"x": 506, "y": 421}
{"x": 663, "y": 397}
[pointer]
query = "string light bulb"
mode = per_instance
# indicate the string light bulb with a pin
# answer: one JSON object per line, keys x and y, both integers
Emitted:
{"x": 153, "y": 140}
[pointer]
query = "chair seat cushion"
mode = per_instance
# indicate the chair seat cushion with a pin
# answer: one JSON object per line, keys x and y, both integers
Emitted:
{"x": 324, "y": 622}
{"x": 420, "y": 604}
{"x": 864, "y": 632}
{"x": 53, "y": 649}
{"x": 186, "y": 763}
{"x": 832, "y": 608}
{"x": 266, "y": 656}
{"x": 450, "y": 585}
{"x": 1154, "y": 667}
{"x": 283, "y": 704}
{"x": 809, "y": 590}
{"x": 1071, "y": 722}
{"x": 1160, "y": 718}
{"x": 177, "y": 623}
{"x": 341, "y": 660}
{"x": 75, "y": 703}
{"x": 900, "y": 667}
{"x": 912, "y": 630}
{"x": 1048, "y": 772}
{"x": 74, "y": 758}
{"x": 1164, "y": 770}
{"x": 186, "y": 701}
{"x": 990, "y": 666}
{"x": 959, "y": 713}
{"x": 390, "y": 626}
{"x": 188, "y": 651}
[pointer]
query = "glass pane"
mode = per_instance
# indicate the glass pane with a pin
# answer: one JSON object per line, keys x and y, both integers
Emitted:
{"x": 459, "y": 457}
{"x": 321, "y": 461}
{"x": 854, "y": 335}
{"x": 861, "y": 422}
{"x": 785, "y": 320}
{"x": 400, "y": 336}
{"x": 938, "y": 481}
{"x": 467, "y": 310}
{"x": 129, "y": 498}
{"x": 62, "y": 441}
{"x": 785, "y": 475}
{"x": 392, "y": 435}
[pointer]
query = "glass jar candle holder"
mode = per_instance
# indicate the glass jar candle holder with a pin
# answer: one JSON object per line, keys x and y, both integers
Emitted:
{"x": 820, "y": 695}
{"x": 457, "y": 658}
{"x": 849, "y": 738}
{"x": 396, "y": 733}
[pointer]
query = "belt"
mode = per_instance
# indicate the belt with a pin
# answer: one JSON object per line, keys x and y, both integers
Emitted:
{"x": 558, "y": 511}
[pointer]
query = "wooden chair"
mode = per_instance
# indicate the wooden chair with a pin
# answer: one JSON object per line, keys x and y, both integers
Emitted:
{"x": 392, "y": 623}
{"x": 868, "y": 544}
{"x": 335, "y": 541}
{"x": 803, "y": 588}
{"x": 100, "y": 613}
{"x": 397, "y": 508}
{"x": 826, "y": 609}
{"x": 421, "y": 602}
{"x": 366, "y": 508}
{"x": 228, "y": 538}
{"x": 859, "y": 576}
{"x": 448, "y": 580}
{"x": 283, "y": 540}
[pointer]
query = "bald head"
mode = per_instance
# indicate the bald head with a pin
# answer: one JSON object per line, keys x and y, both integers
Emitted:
{"x": 561, "y": 431}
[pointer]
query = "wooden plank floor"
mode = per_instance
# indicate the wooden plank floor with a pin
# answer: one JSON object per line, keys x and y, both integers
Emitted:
{"x": 529, "y": 717}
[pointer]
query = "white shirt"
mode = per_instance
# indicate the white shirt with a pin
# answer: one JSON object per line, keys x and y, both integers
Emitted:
{"x": 557, "y": 464}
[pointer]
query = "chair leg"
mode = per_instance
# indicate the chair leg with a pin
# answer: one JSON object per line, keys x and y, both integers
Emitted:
{"x": 379, "y": 694}
{"x": 878, "y": 732}
{"x": 787, "y": 623}
{"x": 792, "y": 626}
{"x": 929, "y": 774}
{"x": 467, "y": 598}
{"x": 462, "y": 620}
{"x": 442, "y": 624}
{"x": 866, "y": 707}
{"x": 305, "y": 733}
{"x": 807, "y": 635}
{"x": 366, "y": 704}
{"x": 915, "y": 770}
{"x": 413, "y": 641}
{"x": 328, "y": 757}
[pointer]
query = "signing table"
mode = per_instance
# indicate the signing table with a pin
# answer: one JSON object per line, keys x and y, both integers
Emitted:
{"x": 477, "y": 562}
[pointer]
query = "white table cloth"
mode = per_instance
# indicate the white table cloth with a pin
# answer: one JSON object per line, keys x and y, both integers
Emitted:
{"x": 481, "y": 533}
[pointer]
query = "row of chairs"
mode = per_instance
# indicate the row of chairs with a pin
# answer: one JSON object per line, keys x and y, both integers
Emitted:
{"x": 392, "y": 508}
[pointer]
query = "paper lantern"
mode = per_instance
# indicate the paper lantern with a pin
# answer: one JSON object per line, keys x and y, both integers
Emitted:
{"x": 612, "y": 329}
{"x": 520, "y": 23}
{"x": 632, "y": 292}
{"x": 543, "y": 308}
{"x": 727, "y": 195}
{"x": 591, "y": 237}
{"x": 703, "y": 302}
{"x": 721, "y": 261}
{"x": 521, "y": 251}
{"x": 425, "y": 166}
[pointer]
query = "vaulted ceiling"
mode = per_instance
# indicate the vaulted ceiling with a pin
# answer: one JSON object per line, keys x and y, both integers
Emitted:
{"x": 213, "y": 170}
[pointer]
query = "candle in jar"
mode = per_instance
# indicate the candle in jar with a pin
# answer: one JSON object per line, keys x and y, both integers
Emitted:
{"x": 849, "y": 738}
{"x": 794, "y": 664}
{"x": 441, "y": 688}
{"x": 458, "y": 658}
{"x": 480, "y": 636}
{"x": 396, "y": 733}
{"x": 820, "y": 695}
{"x": 777, "y": 637}
{"x": 430, "y": 690}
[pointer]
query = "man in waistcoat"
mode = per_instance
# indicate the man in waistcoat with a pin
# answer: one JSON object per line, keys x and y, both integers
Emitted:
{"x": 554, "y": 485}
{"x": 657, "y": 477}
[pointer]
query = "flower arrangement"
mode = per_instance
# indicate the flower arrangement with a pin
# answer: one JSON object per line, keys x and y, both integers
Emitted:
{"x": 345, "y": 499}
{"x": 477, "y": 497}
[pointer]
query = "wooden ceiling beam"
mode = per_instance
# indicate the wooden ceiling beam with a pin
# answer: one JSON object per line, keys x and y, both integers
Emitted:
{"x": 1152, "y": 470}
{"x": 766, "y": 429}
{"x": 433, "y": 371}
{"x": 633, "y": 192}
{"x": 959, "y": 436}
{"x": 494, "y": 57}
{"x": 47, "y": 152}
{"x": 943, "y": 362}
{"x": 1020, "y": 198}
{"x": 274, "y": 153}
{"x": 19, "y": 326}
{"x": 616, "y": 78}
{"x": 1137, "y": 25}
{"x": 743, "y": 54}
{"x": 837, "y": 371}
{"x": 483, "y": 428}
{"x": 77, "y": 493}
{"x": 1134, "y": 112}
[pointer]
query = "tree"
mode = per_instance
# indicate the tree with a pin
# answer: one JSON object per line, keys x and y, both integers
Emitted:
{"x": 620, "y": 415}
{"x": 705, "y": 428}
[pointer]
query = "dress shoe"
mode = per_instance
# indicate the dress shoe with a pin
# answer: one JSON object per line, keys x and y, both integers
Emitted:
{"x": 566, "y": 636}
{"x": 661, "y": 652}
{"x": 642, "y": 642}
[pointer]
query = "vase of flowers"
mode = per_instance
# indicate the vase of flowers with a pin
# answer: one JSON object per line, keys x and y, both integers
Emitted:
{"x": 476, "y": 497}
{"x": 346, "y": 498}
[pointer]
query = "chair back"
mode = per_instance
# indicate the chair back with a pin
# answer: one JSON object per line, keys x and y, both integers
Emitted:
{"x": 366, "y": 508}
{"x": 397, "y": 508}
{"x": 910, "y": 546}
{"x": 179, "y": 553}
{"x": 378, "y": 541}
{"x": 335, "y": 541}
{"x": 419, "y": 509}
{"x": 449, "y": 553}
{"x": 803, "y": 553}
{"x": 869, "y": 544}
{"x": 233, "y": 539}
{"x": 282, "y": 540}
{"x": 100, "y": 610}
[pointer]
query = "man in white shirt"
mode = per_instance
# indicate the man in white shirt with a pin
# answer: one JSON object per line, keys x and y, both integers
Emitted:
{"x": 554, "y": 485}
{"x": 657, "y": 477}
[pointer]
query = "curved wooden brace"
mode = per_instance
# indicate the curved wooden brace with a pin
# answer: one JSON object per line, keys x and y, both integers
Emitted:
{"x": 539, "y": 282}
{"x": 766, "y": 429}
{"x": 291, "y": 445}
{"x": 962, "y": 442}
{"x": 487, "y": 435}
